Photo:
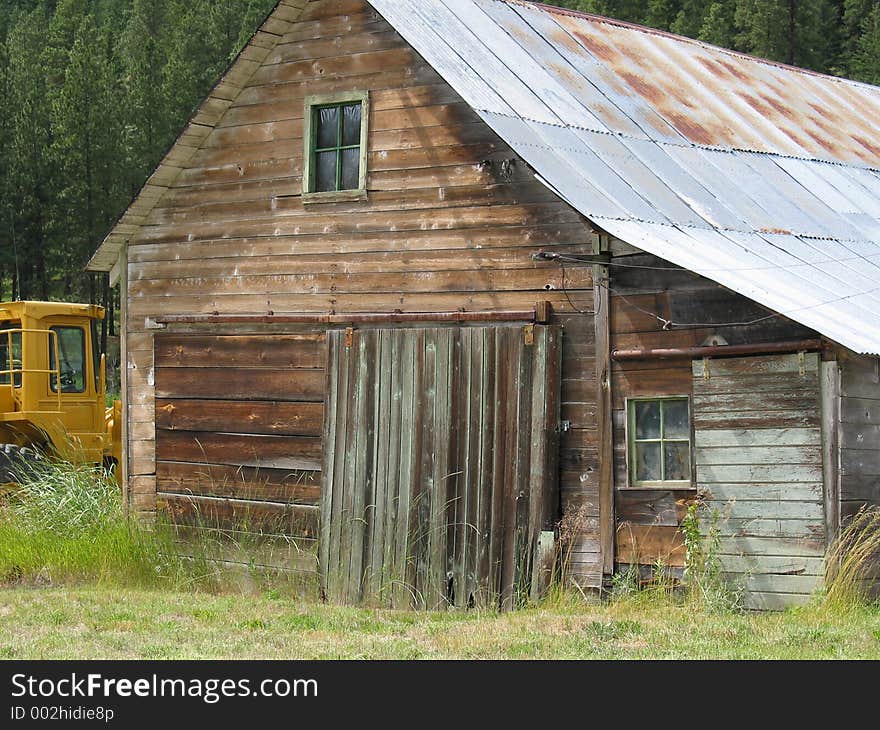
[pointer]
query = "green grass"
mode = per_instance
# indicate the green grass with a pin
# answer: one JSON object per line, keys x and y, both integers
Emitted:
{"x": 91, "y": 622}
{"x": 77, "y": 580}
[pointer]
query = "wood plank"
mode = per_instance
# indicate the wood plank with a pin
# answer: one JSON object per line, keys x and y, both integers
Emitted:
{"x": 223, "y": 480}
{"x": 408, "y": 244}
{"x": 803, "y": 584}
{"x": 772, "y": 566}
{"x": 250, "y": 384}
{"x": 518, "y": 279}
{"x": 786, "y": 509}
{"x": 758, "y": 455}
{"x": 747, "y": 437}
{"x": 762, "y": 601}
{"x": 255, "y": 417}
{"x": 646, "y": 544}
{"x": 328, "y": 465}
{"x": 269, "y": 517}
{"x": 419, "y": 302}
{"x": 860, "y": 378}
{"x": 832, "y": 440}
{"x": 759, "y": 365}
{"x": 354, "y": 219}
{"x": 860, "y": 411}
{"x": 514, "y": 256}
{"x": 651, "y": 507}
{"x": 757, "y": 419}
{"x": 795, "y": 491}
{"x": 209, "y": 351}
{"x": 605, "y": 437}
{"x": 269, "y": 452}
{"x": 756, "y": 527}
{"x": 764, "y": 473}
{"x": 771, "y": 546}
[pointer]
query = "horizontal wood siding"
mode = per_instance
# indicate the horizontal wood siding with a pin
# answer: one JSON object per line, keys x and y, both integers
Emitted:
{"x": 238, "y": 427}
{"x": 451, "y": 221}
{"x": 440, "y": 469}
{"x": 655, "y": 304}
{"x": 763, "y": 482}
{"x": 859, "y": 435}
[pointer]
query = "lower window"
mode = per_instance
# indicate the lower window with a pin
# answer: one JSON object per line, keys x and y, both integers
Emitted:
{"x": 659, "y": 442}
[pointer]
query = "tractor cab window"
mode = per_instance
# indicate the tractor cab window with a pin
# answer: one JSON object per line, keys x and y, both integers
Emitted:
{"x": 10, "y": 353}
{"x": 71, "y": 359}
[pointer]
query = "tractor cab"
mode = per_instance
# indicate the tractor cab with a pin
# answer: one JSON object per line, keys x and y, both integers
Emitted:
{"x": 52, "y": 379}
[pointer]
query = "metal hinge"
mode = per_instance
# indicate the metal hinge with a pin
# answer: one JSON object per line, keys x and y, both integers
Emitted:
{"x": 349, "y": 336}
{"x": 802, "y": 363}
{"x": 529, "y": 335}
{"x": 706, "y": 373}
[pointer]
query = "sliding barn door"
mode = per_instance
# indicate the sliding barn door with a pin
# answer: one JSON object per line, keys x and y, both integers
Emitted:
{"x": 439, "y": 466}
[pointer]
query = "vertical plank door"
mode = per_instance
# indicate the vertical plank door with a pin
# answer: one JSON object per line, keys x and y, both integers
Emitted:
{"x": 440, "y": 469}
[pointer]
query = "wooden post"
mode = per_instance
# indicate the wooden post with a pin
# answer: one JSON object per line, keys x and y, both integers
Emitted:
{"x": 830, "y": 389}
{"x": 601, "y": 307}
{"x": 123, "y": 466}
{"x": 543, "y": 564}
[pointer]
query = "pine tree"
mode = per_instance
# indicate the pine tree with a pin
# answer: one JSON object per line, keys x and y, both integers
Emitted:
{"x": 148, "y": 128}
{"x": 690, "y": 18}
{"x": 662, "y": 13}
{"x": 866, "y": 58}
{"x": 29, "y": 166}
{"x": 786, "y": 30}
{"x": 719, "y": 26}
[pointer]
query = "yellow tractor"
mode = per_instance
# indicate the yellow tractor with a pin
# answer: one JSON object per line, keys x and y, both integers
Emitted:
{"x": 53, "y": 386}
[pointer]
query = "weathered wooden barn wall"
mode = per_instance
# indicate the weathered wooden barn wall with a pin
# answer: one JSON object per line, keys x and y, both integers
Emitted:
{"x": 758, "y": 455}
{"x": 859, "y": 433}
{"x": 645, "y": 293}
{"x": 440, "y": 471}
{"x": 451, "y": 222}
{"x": 240, "y": 418}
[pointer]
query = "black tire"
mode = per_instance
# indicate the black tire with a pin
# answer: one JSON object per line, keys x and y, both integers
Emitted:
{"x": 18, "y": 462}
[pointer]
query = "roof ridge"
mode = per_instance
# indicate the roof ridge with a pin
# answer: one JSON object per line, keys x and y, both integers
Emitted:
{"x": 556, "y": 10}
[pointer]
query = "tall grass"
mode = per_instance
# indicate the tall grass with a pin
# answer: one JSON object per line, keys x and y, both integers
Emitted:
{"x": 64, "y": 522}
{"x": 852, "y": 565}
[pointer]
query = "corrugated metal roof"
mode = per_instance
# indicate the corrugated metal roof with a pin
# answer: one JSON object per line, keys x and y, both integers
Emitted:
{"x": 757, "y": 175}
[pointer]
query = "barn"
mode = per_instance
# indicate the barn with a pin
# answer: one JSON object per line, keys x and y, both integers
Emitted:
{"x": 437, "y": 289}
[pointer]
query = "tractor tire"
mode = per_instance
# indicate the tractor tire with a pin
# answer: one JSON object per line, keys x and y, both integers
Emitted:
{"x": 18, "y": 462}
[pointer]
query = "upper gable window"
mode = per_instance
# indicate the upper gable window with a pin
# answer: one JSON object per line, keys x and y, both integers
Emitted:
{"x": 336, "y": 146}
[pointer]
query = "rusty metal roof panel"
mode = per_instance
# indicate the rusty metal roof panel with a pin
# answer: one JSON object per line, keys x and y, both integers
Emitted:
{"x": 760, "y": 176}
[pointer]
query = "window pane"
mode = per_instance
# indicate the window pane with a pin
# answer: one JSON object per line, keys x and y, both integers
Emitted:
{"x": 72, "y": 361}
{"x": 677, "y": 457}
{"x": 325, "y": 172}
{"x": 647, "y": 419}
{"x": 351, "y": 169}
{"x": 675, "y": 420}
{"x": 648, "y": 462}
{"x": 10, "y": 360}
{"x": 328, "y": 127}
{"x": 351, "y": 125}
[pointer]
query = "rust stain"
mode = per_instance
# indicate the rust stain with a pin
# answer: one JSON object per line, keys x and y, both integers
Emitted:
{"x": 642, "y": 88}
{"x": 597, "y": 47}
{"x": 784, "y": 110}
{"x": 691, "y": 130}
{"x": 825, "y": 143}
{"x": 870, "y": 146}
{"x": 777, "y": 231}
{"x": 734, "y": 70}
{"x": 756, "y": 103}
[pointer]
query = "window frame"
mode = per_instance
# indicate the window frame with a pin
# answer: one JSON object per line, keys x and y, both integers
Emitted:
{"x": 312, "y": 103}
{"x": 85, "y": 365}
{"x": 631, "y": 441}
